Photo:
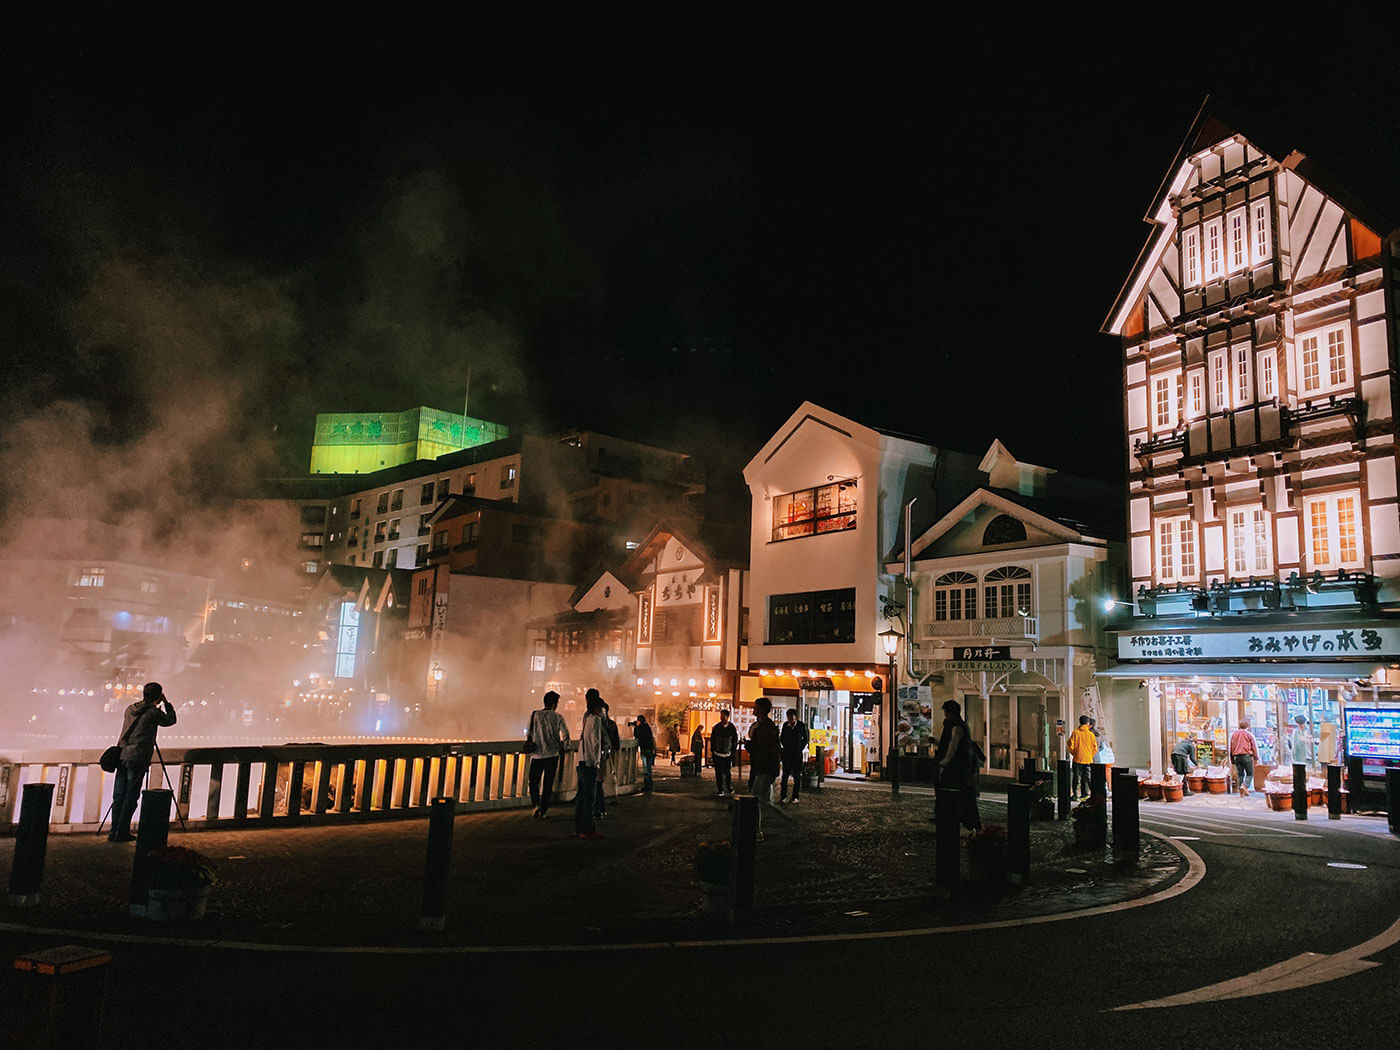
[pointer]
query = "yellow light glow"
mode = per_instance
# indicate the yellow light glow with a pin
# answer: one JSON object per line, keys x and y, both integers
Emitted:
{"x": 765, "y": 674}
{"x": 850, "y": 673}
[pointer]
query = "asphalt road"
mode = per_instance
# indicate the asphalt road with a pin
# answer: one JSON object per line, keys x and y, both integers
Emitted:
{"x": 1267, "y": 896}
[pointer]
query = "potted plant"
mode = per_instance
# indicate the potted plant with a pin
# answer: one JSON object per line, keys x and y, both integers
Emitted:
{"x": 179, "y": 883}
{"x": 1091, "y": 821}
{"x": 1172, "y": 788}
{"x": 712, "y": 867}
{"x": 1043, "y": 800}
{"x": 809, "y": 774}
{"x": 986, "y": 849}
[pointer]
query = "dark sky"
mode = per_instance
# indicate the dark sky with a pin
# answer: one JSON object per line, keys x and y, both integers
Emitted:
{"x": 668, "y": 221}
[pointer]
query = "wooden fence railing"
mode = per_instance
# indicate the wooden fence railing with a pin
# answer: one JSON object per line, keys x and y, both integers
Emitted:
{"x": 298, "y": 784}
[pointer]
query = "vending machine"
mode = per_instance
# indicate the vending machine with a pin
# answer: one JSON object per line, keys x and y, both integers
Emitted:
{"x": 1372, "y": 748}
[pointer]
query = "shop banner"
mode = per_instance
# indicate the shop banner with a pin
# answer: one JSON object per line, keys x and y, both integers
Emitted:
{"x": 1381, "y": 643}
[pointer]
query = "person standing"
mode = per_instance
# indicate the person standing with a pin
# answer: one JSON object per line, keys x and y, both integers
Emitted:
{"x": 138, "y": 741}
{"x": 724, "y": 742}
{"x": 646, "y": 747}
{"x": 1083, "y": 744}
{"x": 592, "y": 740}
{"x": 551, "y": 738}
{"x": 612, "y": 744}
{"x": 763, "y": 748}
{"x": 956, "y": 770}
{"x": 1300, "y": 741}
{"x": 792, "y": 738}
{"x": 697, "y": 747}
{"x": 673, "y": 742}
{"x": 1244, "y": 752}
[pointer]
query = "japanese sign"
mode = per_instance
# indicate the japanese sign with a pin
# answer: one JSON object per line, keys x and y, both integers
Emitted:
{"x": 982, "y": 652}
{"x": 998, "y": 666}
{"x": 1381, "y": 642}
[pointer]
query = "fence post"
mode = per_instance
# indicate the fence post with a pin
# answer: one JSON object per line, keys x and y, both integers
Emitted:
{"x": 151, "y": 833}
{"x": 743, "y": 854}
{"x": 821, "y": 767}
{"x": 31, "y": 844}
{"x": 1334, "y": 792}
{"x": 441, "y": 819}
{"x": 1392, "y": 799}
{"x": 946, "y": 860}
{"x": 1018, "y": 831}
{"x": 58, "y": 1003}
{"x": 1300, "y": 791}
{"x": 1062, "y": 784}
{"x": 1127, "y": 830}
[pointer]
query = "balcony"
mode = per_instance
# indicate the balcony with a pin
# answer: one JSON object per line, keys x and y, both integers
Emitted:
{"x": 1015, "y": 628}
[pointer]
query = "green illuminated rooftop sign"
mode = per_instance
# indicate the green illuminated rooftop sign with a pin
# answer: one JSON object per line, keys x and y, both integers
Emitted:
{"x": 360, "y": 442}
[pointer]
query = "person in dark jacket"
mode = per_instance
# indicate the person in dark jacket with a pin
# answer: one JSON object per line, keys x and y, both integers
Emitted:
{"x": 697, "y": 747}
{"x": 956, "y": 769}
{"x": 1183, "y": 759}
{"x": 763, "y": 749}
{"x": 138, "y": 741}
{"x": 646, "y": 746}
{"x": 724, "y": 743}
{"x": 793, "y": 738}
{"x": 673, "y": 743}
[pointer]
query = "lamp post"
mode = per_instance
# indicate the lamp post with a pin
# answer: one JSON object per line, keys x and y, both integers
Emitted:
{"x": 890, "y": 640}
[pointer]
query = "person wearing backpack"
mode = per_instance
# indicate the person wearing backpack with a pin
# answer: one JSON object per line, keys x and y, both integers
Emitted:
{"x": 956, "y": 770}
{"x": 138, "y": 740}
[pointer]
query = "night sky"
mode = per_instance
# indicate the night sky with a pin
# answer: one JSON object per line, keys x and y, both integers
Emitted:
{"x": 668, "y": 222}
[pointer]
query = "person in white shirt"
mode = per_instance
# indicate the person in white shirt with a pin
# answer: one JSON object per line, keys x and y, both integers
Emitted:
{"x": 591, "y": 745}
{"x": 551, "y": 739}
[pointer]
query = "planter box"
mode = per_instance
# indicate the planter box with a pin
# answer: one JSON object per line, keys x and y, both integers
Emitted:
{"x": 1279, "y": 800}
{"x": 182, "y": 905}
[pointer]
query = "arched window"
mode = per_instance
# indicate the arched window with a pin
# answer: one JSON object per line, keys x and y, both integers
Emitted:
{"x": 1003, "y": 529}
{"x": 955, "y": 596}
{"x": 1007, "y": 592}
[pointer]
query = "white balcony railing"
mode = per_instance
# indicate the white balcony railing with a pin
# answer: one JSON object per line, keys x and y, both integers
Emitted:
{"x": 1015, "y": 628}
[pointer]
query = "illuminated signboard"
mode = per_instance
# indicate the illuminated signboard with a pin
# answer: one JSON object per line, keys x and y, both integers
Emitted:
{"x": 1373, "y": 732}
{"x": 347, "y": 640}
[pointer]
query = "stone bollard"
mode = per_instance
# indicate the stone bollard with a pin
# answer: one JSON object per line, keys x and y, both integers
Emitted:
{"x": 1300, "y": 791}
{"x": 743, "y": 854}
{"x": 1063, "y": 774}
{"x": 441, "y": 820}
{"x": 1127, "y": 830}
{"x": 947, "y": 861}
{"x": 1392, "y": 799}
{"x": 31, "y": 845}
{"x": 1018, "y": 832}
{"x": 151, "y": 833}
{"x": 58, "y": 1003}
{"x": 1334, "y": 792}
{"x": 1098, "y": 781}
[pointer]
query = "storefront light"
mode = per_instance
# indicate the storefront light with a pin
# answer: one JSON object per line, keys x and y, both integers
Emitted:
{"x": 692, "y": 683}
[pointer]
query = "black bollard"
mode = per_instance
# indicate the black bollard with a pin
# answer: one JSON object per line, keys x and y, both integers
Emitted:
{"x": 1018, "y": 832}
{"x": 1334, "y": 792}
{"x": 151, "y": 833}
{"x": 58, "y": 1001}
{"x": 1098, "y": 781}
{"x": 821, "y": 767}
{"x": 31, "y": 844}
{"x": 1127, "y": 831}
{"x": 743, "y": 855}
{"x": 1063, "y": 774}
{"x": 947, "y": 861}
{"x": 1300, "y": 791}
{"x": 441, "y": 820}
{"x": 1392, "y": 799}
{"x": 1027, "y": 770}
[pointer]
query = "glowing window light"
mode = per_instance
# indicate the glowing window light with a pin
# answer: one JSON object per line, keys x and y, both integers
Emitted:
{"x": 675, "y": 692}
{"x": 656, "y": 681}
{"x": 675, "y": 681}
{"x": 641, "y": 681}
{"x": 691, "y": 683}
{"x": 766, "y": 674}
{"x": 711, "y": 683}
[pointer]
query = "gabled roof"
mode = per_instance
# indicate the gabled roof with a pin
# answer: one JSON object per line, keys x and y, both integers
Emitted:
{"x": 656, "y": 541}
{"x": 383, "y": 588}
{"x": 999, "y": 501}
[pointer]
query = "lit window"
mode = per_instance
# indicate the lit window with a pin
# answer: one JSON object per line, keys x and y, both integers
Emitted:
{"x": 955, "y": 596}
{"x": 1007, "y": 592}
{"x": 1268, "y": 388}
{"x": 1219, "y": 381}
{"x": 1215, "y": 258}
{"x": 1176, "y": 550}
{"x": 1333, "y": 539}
{"x": 830, "y": 508}
{"x": 1262, "y": 247}
{"x": 1197, "y": 383}
{"x": 1191, "y": 249}
{"x": 1164, "y": 398}
{"x": 92, "y": 578}
{"x": 1242, "y": 376}
{"x": 1239, "y": 241}
{"x": 1249, "y": 541}
{"x": 1321, "y": 376}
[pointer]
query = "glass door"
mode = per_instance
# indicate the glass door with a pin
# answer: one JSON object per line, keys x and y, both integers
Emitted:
{"x": 999, "y": 732}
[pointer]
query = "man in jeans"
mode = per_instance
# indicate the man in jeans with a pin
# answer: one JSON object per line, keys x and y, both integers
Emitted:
{"x": 763, "y": 755}
{"x": 793, "y": 739}
{"x": 551, "y": 737}
{"x": 646, "y": 747}
{"x": 1244, "y": 752}
{"x": 591, "y": 745}
{"x": 138, "y": 741}
{"x": 724, "y": 741}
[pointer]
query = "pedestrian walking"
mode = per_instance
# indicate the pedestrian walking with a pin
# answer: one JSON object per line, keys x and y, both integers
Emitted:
{"x": 763, "y": 747}
{"x": 792, "y": 740}
{"x": 137, "y": 741}
{"x": 550, "y": 736}
{"x": 646, "y": 747}
{"x": 724, "y": 743}
{"x": 592, "y": 740}
{"x": 697, "y": 747}
{"x": 957, "y": 769}
{"x": 1083, "y": 745}
{"x": 1244, "y": 752}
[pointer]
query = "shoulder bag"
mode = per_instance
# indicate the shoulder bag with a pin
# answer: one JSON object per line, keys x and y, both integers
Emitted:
{"x": 530, "y": 747}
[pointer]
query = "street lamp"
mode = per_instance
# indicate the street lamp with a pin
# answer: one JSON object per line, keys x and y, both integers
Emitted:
{"x": 890, "y": 640}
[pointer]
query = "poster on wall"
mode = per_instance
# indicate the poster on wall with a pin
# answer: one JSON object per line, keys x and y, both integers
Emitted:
{"x": 915, "y": 712}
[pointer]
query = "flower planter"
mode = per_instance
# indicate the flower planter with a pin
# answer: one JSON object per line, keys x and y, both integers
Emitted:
{"x": 1279, "y": 800}
{"x": 1317, "y": 796}
{"x": 1196, "y": 783}
{"x": 1172, "y": 792}
{"x": 1218, "y": 785}
{"x": 185, "y": 904}
{"x": 1152, "y": 789}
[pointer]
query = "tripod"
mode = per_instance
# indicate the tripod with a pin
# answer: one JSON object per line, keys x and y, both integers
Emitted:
{"x": 169, "y": 785}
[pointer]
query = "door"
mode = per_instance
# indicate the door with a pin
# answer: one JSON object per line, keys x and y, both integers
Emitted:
{"x": 999, "y": 731}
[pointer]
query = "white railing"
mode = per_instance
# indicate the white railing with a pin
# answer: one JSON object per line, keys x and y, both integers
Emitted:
{"x": 259, "y": 787}
{"x": 1015, "y": 627}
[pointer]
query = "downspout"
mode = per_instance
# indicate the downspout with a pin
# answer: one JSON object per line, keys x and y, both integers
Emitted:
{"x": 909, "y": 588}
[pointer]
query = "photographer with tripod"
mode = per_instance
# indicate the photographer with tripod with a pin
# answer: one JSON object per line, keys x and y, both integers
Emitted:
{"x": 138, "y": 741}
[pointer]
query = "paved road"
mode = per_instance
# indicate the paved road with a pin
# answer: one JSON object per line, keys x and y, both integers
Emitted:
{"x": 1267, "y": 895}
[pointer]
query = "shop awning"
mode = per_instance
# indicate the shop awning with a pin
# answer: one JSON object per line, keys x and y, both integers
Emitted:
{"x": 1281, "y": 672}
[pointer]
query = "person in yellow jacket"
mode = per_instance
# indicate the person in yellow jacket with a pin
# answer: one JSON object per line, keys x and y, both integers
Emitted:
{"x": 1082, "y": 745}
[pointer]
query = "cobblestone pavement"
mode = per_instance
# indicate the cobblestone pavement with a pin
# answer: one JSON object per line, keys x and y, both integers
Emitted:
{"x": 846, "y": 859}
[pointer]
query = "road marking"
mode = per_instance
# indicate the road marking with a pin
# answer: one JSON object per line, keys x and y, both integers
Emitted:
{"x": 1301, "y": 971}
{"x": 1195, "y": 872}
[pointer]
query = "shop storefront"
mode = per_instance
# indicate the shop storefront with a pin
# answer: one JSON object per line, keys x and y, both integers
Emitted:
{"x": 842, "y": 711}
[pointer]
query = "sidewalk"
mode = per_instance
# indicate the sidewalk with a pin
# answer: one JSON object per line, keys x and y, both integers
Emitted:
{"x": 846, "y": 859}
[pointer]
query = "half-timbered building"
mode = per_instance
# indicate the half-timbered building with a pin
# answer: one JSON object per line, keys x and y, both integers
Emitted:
{"x": 1259, "y": 374}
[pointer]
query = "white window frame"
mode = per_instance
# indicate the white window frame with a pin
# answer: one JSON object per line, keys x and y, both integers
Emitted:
{"x": 1238, "y": 258}
{"x": 1244, "y": 373}
{"x": 1268, "y": 375}
{"x": 1196, "y": 407}
{"x": 1219, "y": 380}
{"x": 1251, "y": 549}
{"x": 1328, "y": 512}
{"x": 1164, "y": 402}
{"x": 1213, "y": 235}
{"x": 1329, "y": 348}
{"x": 1191, "y": 254}
{"x": 1261, "y": 236}
{"x": 1178, "y": 550}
